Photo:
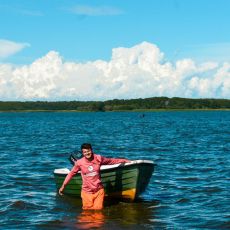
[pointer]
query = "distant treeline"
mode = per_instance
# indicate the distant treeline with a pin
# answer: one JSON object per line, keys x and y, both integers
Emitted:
{"x": 117, "y": 105}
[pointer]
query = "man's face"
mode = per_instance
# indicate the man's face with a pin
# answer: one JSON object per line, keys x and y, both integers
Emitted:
{"x": 87, "y": 153}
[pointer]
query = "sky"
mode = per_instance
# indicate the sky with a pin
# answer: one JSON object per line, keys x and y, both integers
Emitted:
{"x": 114, "y": 49}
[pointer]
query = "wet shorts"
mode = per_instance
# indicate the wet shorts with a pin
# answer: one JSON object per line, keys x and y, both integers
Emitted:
{"x": 93, "y": 200}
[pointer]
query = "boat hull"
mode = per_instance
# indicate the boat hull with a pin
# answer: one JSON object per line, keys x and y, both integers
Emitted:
{"x": 122, "y": 181}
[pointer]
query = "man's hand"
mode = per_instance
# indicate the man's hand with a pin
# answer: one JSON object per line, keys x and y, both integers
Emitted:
{"x": 61, "y": 190}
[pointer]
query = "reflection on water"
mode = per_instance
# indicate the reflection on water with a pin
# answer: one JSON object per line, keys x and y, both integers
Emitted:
{"x": 89, "y": 219}
{"x": 120, "y": 215}
{"x": 115, "y": 215}
{"x": 132, "y": 214}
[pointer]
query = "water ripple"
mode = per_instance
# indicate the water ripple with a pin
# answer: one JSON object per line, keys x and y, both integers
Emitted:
{"x": 188, "y": 190}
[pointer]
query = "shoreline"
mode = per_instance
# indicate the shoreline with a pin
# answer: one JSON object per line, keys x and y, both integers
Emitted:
{"x": 152, "y": 104}
{"x": 135, "y": 110}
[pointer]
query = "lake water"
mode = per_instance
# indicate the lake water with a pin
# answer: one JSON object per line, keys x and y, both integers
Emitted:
{"x": 190, "y": 188}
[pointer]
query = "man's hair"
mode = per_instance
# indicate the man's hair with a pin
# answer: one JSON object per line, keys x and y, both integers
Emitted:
{"x": 86, "y": 146}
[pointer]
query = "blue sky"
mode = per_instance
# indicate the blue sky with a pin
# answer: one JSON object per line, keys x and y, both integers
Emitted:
{"x": 86, "y": 31}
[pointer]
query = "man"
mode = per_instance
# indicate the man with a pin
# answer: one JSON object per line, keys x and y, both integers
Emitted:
{"x": 92, "y": 192}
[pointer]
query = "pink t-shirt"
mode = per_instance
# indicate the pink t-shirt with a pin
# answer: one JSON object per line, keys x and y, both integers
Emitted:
{"x": 90, "y": 171}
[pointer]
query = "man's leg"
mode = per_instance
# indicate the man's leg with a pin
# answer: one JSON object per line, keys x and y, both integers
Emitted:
{"x": 87, "y": 200}
{"x": 99, "y": 199}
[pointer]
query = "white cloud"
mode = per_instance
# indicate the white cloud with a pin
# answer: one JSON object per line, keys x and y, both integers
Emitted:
{"x": 8, "y": 48}
{"x": 135, "y": 72}
{"x": 95, "y": 11}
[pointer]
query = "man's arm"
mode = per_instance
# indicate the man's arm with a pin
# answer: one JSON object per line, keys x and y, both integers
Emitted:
{"x": 73, "y": 172}
{"x": 112, "y": 161}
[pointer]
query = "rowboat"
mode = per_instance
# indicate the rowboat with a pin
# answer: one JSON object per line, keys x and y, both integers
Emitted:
{"x": 122, "y": 181}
